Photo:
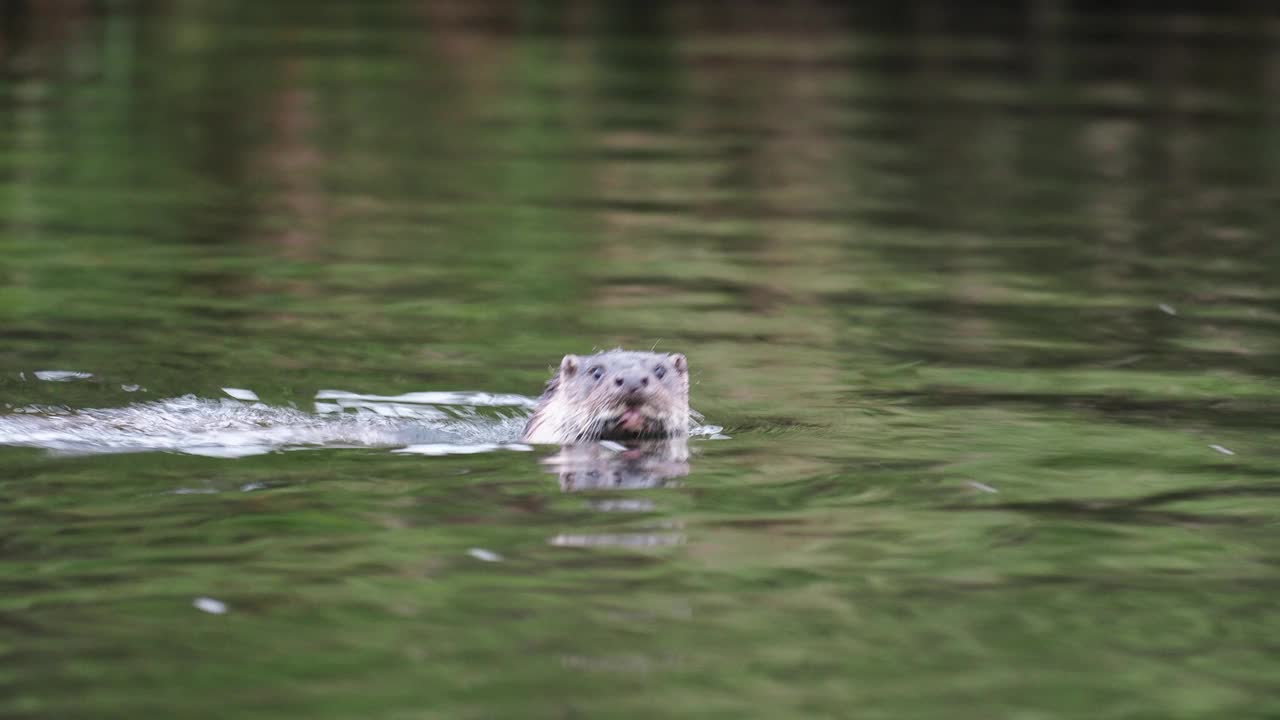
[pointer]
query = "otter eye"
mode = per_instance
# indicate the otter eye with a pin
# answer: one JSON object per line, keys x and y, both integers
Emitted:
{"x": 597, "y": 372}
{"x": 659, "y": 371}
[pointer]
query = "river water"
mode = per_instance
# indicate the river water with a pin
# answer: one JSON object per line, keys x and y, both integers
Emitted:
{"x": 980, "y": 307}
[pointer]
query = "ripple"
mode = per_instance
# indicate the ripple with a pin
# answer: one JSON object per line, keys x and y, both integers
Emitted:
{"x": 62, "y": 375}
{"x": 469, "y": 398}
{"x": 241, "y": 425}
{"x": 227, "y": 428}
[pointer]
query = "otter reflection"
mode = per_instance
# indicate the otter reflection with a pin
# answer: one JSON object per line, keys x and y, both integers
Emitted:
{"x": 610, "y": 466}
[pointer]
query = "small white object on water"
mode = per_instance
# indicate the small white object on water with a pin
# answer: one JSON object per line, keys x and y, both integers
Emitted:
{"x": 485, "y": 555}
{"x": 241, "y": 394}
{"x": 62, "y": 375}
{"x": 1223, "y": 450}
{"x": 982, "y": 486}
{"x": 1167, "y": 309}
{"x": 131, "y": 388}
{"x": 209, "y": 605}
{"x": 250, "y": 487}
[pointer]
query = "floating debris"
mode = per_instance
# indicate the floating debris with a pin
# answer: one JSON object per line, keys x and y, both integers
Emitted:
{"x": 485, "y": 555}
{"x": 982, "y": 486}
{"x": 132, "y": 388}
{"x": 241, "y": 394}
{"x": 1223, "y": 450}
{"x": 209, "y": 605}
{"x": 1167, "y": 309}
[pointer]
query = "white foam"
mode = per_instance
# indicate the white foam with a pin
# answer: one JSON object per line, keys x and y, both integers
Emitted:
{"x": 61, "y": 375}
{"x": 241, "y": 394}
{"x": 209, "y": 605}
{"x": 468, "y": 398}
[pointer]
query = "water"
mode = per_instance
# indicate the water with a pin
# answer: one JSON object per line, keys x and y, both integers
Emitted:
{"x": 985, "y": 303}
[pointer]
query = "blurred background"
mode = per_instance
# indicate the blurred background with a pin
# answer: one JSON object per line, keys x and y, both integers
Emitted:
{"x": 985, "y": 298}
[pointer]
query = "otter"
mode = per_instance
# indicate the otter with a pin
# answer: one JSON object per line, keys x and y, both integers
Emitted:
{"x": 615, "y": 395}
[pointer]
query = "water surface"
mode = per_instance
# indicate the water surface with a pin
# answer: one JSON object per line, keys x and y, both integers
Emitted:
{"x": 985, "y": 303}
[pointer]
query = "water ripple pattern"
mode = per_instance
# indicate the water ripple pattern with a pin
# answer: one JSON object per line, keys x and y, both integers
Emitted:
{"x": 448, "y": 422}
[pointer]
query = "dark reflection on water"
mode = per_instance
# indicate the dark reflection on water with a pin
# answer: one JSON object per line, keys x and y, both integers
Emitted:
{"x": 984, "y": 297}
{"x": 615, "y": 466}
{"x": 1146, "y": 509}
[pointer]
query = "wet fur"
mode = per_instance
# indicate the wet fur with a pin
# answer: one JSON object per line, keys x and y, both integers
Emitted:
{"x": 575, "y": 407}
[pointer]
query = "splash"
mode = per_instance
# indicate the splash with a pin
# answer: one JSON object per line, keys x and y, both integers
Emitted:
{"x": 240, "y": 426}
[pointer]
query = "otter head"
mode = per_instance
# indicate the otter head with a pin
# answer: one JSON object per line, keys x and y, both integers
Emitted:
{"x": 623, "y": 395}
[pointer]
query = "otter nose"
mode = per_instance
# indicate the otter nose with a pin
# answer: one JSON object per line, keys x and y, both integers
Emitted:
{"x": 631, "y": 383}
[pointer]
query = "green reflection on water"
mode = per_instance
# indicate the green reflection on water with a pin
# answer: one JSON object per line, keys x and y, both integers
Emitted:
{"x": 913, "y": 259}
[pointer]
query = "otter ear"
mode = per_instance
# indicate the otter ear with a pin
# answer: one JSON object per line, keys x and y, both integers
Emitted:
{"x": 681, "y": 365}
{"x": 569, "y": 365}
